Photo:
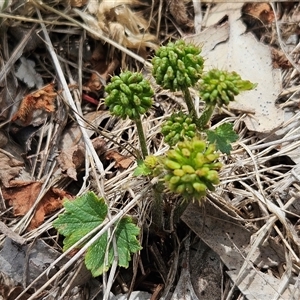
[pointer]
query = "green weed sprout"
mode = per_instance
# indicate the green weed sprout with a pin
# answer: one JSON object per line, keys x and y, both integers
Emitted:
{"x": 130, "y": 95}
{"x": 192, "y": 168}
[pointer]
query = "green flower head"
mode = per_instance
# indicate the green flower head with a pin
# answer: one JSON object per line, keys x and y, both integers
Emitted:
{"x": 192, "y": 168}
{"x": 129, "y": 95}
{"x": 178, "y": 127}
{"x": 219, "y": 87}
{"x": 177, "y": 65}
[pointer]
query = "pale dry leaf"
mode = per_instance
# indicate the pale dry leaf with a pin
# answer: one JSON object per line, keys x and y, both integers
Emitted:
{"x": 184, "y": 288}
{"x": 258, "y": 285}
{"x": 72, "y": 135}
{"x": 232, "y": 243}
{"x": 28, "y": 261}
{"x": 207, "y": 277}
{"x": 251, "y": 59}
{"x": 28, "y": 75}
{"x": 120, "y": 22}
{"x": 10, "y": 168}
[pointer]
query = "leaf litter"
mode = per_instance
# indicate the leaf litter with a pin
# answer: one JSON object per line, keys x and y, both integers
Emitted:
{"x": 256, "y": 200}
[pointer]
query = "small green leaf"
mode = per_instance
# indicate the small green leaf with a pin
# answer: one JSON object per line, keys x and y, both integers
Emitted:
{"x": 222, "y": 136}
{"x": 84, "y": 214}
{"x": 246, "y": 85}
{"x": 142, "y": 169}
{"x": 127, "y": 243}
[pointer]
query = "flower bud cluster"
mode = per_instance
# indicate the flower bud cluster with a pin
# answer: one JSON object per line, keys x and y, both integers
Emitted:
{"x": 178, "y": 127}
{"x": 177, "y": 65}
{"x": 153, "y": 163}
{"x": 129, "y": 95}
{"x": 219, "y": 87}
{"x": 192, "y": 168}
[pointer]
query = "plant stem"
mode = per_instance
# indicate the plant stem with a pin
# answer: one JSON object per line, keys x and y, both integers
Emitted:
{"x": 142, "y": 139}
{"x": 205, "y": 117}
{"x": 189, "y": 103}
{"x": 157, "y": 208}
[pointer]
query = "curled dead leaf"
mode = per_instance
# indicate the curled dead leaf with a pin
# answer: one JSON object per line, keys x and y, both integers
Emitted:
{"x": 78, "y": 3}
{"x": 23, "y": 195}
{"x": 260, "y": 11}
{"x": 95, "y": 82}
{"x": 102, "y": 74}
{"x": 36, "y": 103}
{"x": 72, "y": 158}
{"x": 122, "y": 161}
{"x": 279, "y": 60}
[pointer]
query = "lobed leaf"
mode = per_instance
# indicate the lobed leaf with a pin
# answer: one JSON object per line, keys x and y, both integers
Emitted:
{"x": 222, "y": 136}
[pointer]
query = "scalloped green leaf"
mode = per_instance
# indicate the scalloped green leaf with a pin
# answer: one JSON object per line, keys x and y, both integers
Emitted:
{"x": 84, "y": 214}
{"x": 141, "y": 169}
{"x": 81, "y": 216}
{"x": 222, "y": 136}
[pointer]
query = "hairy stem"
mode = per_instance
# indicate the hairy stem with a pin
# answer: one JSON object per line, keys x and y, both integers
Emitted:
{"x": 189, "y": 103}
{"x": 205, "y": 117}
{"x": 142, "y": 139}
{"x": 157, "y": 208}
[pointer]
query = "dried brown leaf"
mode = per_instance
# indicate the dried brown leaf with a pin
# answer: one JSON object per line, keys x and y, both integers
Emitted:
{"x": 24, "y": 194}
{"x": 260, "y": 11}
{"x": 40, "y": 100}
{"x": 179, "y": 12}
{"x": 280, "y": 60}
{"x": 78, "y": 3}
{"x": 104, "y": 71}
{"x": 50, "y": 203}
{"x": 71, "y": 159}
{"x": 11, "y": 292}
{"x": 122, "y": 161}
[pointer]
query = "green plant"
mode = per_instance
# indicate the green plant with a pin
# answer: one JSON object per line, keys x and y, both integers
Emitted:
{"x": 130, "y": 96}
{"x": 81, "y": 216}
{"x": 190, "y": 167}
